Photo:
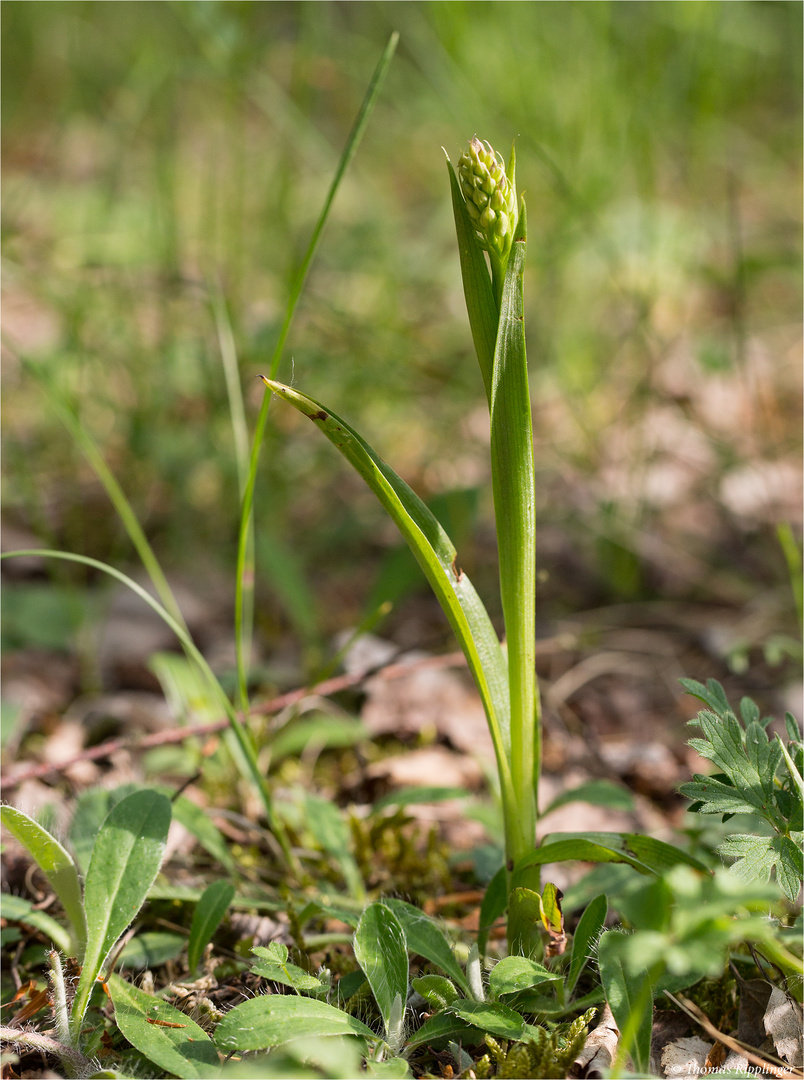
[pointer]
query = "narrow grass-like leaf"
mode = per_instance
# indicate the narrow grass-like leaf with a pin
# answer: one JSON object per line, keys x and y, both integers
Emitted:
{"x": 17, "y": 909}
{"x": 244, "y": 582}
{"x": 437, "y": 556}
{"x": 585, "y": 938}
{"x": 425, "y": 938}
{"x": 166, "y": 1036}
{"x": 597, "y": 793}
{"x": 116, "y": 495}
{"x": 207, "y": 917}
{"x": 125, "y": 860}
{"x": 513, "y": 486}
{"x": 630, "y": 999}
{"x": 198, "y": 822}
{"x": 55, "y": 863}
{"x": 495, "y": 901}
{"x": 252, "y": 768}
{"x": 274, "y": 1019}
{"x": 415, "y": 795}
{"x": 381, "y": 950}
{"x": 326, "y": 822}
{"x": 645, "y": 854}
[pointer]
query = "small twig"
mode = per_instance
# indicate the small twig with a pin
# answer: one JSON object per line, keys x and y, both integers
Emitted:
{"x": 781, "y": 1070}
{"x": 266, "y": 708}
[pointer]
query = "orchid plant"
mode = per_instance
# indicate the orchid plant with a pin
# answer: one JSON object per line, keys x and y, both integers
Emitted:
{"x": 491, "y": 228}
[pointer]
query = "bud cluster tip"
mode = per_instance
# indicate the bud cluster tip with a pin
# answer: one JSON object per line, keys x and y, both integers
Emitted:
{"x": 489, "y": 194}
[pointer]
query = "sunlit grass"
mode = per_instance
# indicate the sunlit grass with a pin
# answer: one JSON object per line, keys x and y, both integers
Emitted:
{"x": 153, "y": 148}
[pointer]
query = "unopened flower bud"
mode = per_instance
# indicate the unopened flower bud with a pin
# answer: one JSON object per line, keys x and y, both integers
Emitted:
{"x": 490, "y": 196}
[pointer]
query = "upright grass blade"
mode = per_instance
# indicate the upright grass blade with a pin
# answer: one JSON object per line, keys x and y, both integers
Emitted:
{"x": 237, "y": 412}
{"x": 241, "y": 735}
{"x": 244, "y": 583}
{"x": 514, "y": 509}
{"x": 117, "y": 496}
{"x": 437, "y": 556}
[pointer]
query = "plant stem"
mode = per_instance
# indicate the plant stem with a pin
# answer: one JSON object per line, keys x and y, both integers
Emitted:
{"x": 74, "y": 1062}
{"x": 514, "y": 509}
{"x": 60, "y": 1013}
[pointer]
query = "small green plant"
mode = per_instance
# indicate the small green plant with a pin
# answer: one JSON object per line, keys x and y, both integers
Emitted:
{"x": 125, "y": 860}
{"x": 463, "y": 1003}
{"x": 761, "y": 777}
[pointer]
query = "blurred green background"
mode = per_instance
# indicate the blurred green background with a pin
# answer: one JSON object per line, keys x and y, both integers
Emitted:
{"x": 157, "y": 155}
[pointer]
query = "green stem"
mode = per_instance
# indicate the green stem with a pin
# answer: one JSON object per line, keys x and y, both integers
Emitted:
{"x": 514, "y": 508}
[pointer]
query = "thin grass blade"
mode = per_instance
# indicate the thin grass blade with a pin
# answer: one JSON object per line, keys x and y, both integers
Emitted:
{"x": 117, "y": 496}
{"x": 252, "y": 768}
{"x": 244, "y": 582}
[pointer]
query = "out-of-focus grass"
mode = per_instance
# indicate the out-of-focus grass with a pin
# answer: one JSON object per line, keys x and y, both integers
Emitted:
{"x": 154, "y": 151}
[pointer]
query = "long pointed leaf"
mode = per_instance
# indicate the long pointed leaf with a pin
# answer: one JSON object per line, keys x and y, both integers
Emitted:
{"x": 125, "y": 861}
{"x": 436, "y": 554}
{"x": 55, "y": 863}
{"x": 514, "y": 508}
{"x": 480, "y": 306}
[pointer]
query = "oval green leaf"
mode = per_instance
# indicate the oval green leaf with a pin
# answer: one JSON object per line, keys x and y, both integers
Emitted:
{"x": 586, "y": 934}
{"x": 185, "y": 1050}
{"x": 425, "y": 938}
{"x": 381, "y": 950}
{"x": 274, "y": 1019}
{"x": 515, "y": 973}
{"x": 125, "y": 861}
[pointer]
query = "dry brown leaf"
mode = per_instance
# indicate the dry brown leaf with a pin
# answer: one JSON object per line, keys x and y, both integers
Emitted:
{"x": 598, "y": 1051}
{"x": 783, "y": 1022}
{"x": 685, "y": 1057}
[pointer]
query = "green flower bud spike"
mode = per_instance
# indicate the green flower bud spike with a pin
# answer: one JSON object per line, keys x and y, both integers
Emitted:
{"x": 490, "y": 196}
